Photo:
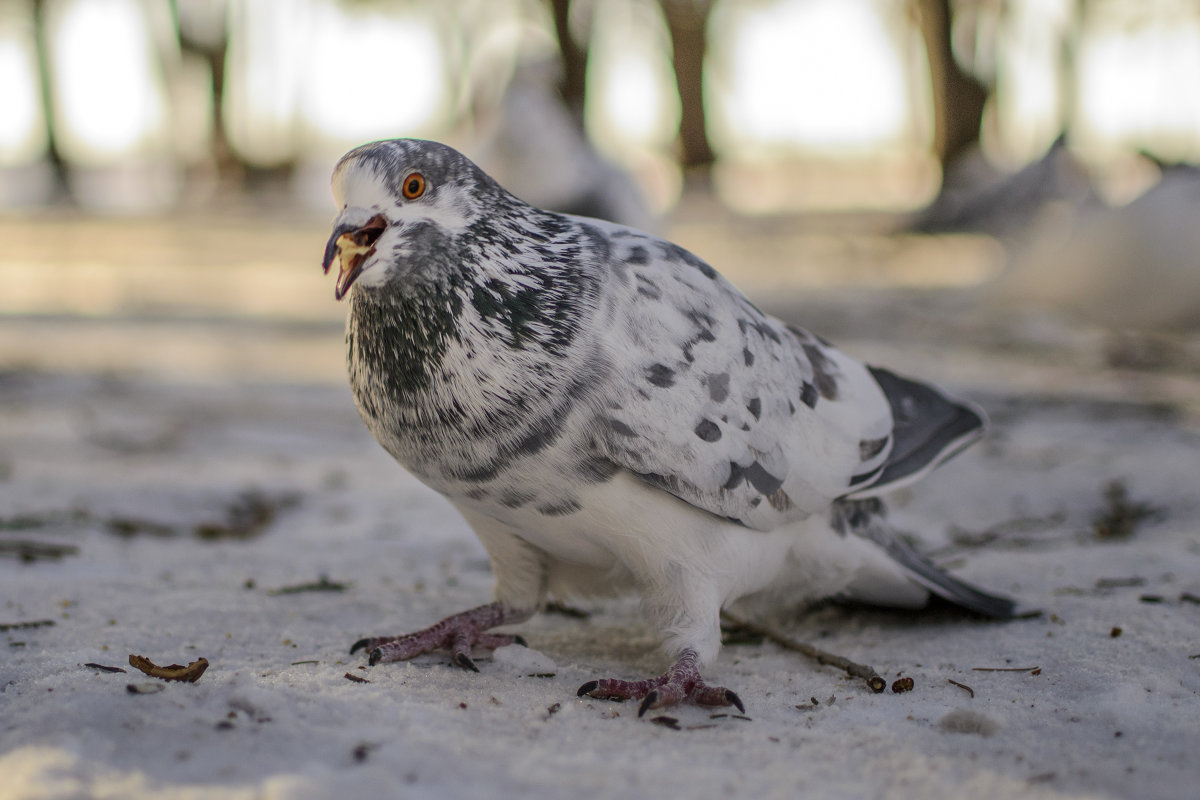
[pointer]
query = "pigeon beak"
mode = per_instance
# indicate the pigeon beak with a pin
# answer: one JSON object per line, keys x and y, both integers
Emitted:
{"x": 350, "y": 246}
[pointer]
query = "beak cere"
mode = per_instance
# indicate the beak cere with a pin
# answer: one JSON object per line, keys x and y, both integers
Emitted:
{"x": 350, "y": 247}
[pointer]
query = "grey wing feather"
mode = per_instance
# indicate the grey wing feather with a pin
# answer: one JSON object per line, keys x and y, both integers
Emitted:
{"x": 721, "y": 405}
{"x": 928, "y": 428}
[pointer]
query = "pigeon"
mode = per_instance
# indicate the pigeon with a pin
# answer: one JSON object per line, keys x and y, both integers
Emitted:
{"x": 610, "y": 415}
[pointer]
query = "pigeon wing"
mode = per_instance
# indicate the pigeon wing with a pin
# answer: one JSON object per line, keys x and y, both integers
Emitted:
{"x": 721, "y": 405}
{"x": 927, "y": 428}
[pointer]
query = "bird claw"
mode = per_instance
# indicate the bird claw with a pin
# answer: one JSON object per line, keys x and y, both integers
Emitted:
{"x": 458, "y": 634}
{"x": 681, "y": 683}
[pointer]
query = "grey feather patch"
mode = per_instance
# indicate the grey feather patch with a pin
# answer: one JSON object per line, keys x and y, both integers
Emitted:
{"x": 718, "y": 387}
{"x": 869, "y": 448}
{"x": 708, "y": 430}
{"x": 481, "y": 474}
{"x": 648, "y": 288}
{"x": 619, "y": 427}
{"x": 596, "y": 470}
{"x": 780, "y": 501}
{"x": 848, "y": 515}
{"x": 808, "y": 394}
{"x": 673, "y": 252}
{"x": 755, "y": 407}
{"x": 661, "y": 376}
{"x": 539, "y": 439}
{"x": 761, "y": 328}
{"x": 560, "y": 509}
{"x": 514, "y": 499}
{"x": 702, "y": 335}
{"x": 824, "y": 372}
{"x": 756, "y": 475}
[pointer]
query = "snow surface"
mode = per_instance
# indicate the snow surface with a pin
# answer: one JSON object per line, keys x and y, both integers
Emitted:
{"x": 187, "y": 498}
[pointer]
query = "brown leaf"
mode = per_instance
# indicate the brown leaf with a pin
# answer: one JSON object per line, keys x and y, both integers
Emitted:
{"x": 174, "y": 672}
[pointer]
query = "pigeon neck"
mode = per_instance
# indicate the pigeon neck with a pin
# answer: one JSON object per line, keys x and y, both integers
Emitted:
{"x": 395, "y": 341}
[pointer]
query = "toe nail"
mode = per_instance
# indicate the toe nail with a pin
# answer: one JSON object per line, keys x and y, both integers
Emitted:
{"x": 648, "y": 702}
{"x": 375, "y": 657}
{"x": 518, "y": 639}
{"x": 734, "y": 701}
{"x": 587, "y": 688}
{"x": 464, "y": 661}
{"x": 359, "y": 645}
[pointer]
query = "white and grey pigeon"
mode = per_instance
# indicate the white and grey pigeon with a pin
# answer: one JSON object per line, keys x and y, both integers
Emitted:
{"x": 611, "y": 415}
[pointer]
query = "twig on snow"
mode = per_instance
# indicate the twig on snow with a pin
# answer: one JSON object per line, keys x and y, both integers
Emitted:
{"x": 856, "y": 670}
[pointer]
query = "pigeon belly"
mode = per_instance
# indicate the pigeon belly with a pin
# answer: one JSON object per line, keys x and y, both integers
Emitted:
{"x": 627, "y": 536}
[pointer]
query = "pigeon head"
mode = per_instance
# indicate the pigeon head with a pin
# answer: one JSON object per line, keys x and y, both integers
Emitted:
{"x": 405, "y": 206}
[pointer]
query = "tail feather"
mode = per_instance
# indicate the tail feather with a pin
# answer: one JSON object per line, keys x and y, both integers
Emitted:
{"x": 865, "y": 518}
{"x": 948, "y": 587}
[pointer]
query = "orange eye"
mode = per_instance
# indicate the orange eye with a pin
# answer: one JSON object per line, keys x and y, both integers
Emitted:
{"x": 414, "y": 186}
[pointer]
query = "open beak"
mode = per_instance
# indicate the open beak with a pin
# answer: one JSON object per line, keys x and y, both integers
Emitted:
{"x": 350, "y": 246}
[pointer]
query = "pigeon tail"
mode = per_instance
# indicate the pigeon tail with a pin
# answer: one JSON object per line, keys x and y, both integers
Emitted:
{"x": 948, "y": 587}
{"x": 867, "y": 519}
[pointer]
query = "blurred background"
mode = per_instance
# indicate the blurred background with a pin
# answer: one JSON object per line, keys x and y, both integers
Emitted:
{"x": 1005, "y": 175}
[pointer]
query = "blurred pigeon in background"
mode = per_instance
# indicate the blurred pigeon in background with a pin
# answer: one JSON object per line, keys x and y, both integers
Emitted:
{"x": 976, "y": 198}
{"x": 535, "y": 147}
{"x": 611, "y": 415}
{"x": 1132, "y": 267}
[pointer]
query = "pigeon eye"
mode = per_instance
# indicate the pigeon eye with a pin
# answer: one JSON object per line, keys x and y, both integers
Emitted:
{"x": 414, "y": 186}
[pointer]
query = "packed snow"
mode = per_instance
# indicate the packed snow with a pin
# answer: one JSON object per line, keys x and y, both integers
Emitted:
{"x": 204, "y": 489}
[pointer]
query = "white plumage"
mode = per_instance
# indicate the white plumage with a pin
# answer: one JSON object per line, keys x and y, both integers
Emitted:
{"x": 610, "y": 414}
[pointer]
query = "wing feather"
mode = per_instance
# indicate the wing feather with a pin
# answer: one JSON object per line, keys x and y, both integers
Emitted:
{"x": 721, "y": 405}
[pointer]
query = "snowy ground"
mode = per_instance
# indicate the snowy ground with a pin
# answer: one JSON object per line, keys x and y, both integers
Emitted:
{"x": 164, "y": 484}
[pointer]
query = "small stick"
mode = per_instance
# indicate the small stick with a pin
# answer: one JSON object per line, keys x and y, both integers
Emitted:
{"x": 863, "y": 671}
{"x": 21, "y": 626}
{"x": 1004, "y": 669}
{"x": 103, "y": 667}
{"x": 321, "y": 585}
{"x": 970, "y": 691}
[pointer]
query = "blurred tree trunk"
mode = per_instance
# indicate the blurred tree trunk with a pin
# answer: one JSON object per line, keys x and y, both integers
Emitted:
{"x": 574, "y": 58}
{"x": 1069, "y": 65}
{"x": 958, "y": 98}
{"x": 686, "y": 22}
{"x": 42, "y": 46}
{"x": 225, "y": 160}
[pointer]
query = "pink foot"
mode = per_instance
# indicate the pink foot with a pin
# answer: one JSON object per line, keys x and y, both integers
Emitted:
{"x": 457, "y": 633}
{"x": 679, "y": 683}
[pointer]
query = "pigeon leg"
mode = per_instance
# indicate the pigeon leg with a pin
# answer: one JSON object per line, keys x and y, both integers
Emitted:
{"x": 457, "y": 633}
{"x": 680, "y": 683}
